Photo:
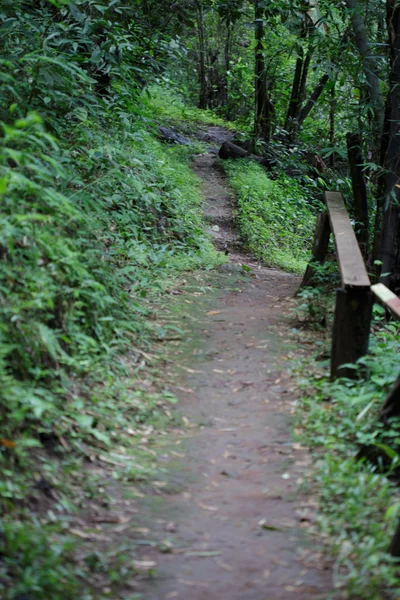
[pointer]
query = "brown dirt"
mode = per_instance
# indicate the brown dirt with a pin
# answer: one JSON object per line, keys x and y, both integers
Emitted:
{"x": 231, "y": 510}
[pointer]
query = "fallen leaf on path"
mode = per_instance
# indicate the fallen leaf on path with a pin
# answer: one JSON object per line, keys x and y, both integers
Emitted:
{"x": 263, "y": 523}
{"x": 89, "y": 536}
{"x": 195, "y": 583}
{"x": 214, "y": 312}
{"x": 223, "y": 565}
{"x": 207, "y": 507}
{"x": 190, "y": 370}
{"x": 204, "y": 554}
{"x": 112, "y": 519}
{"x": 144, "y": 565}
{"x": 144, "y": 530}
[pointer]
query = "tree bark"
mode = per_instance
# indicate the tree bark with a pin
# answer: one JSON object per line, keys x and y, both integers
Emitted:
{"x": 295, "y": 94}
{"x": 371, "y": 68}
{"x": 332, "y": 112}
{"x": 264, "y": 109}
{"x": 390, "y": 217}
{"x": 202, "y": 57}
{"x": 307, "y": 108}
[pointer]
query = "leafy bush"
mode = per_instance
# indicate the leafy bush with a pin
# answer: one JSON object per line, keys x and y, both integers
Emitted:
{"x": 273, "y": 216}
{"x": 32, "y": 566}
{"x": 84, "y": 233}
{"x": 359, "y": 503}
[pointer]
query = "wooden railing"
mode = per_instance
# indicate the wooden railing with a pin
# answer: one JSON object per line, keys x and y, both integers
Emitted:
{"x": 354, "y": 301}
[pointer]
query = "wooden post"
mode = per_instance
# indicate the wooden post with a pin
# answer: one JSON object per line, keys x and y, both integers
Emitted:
{"x": 394, "y": 548}
{"x": 320, "y": 248}
{"x": 350, "y": 329}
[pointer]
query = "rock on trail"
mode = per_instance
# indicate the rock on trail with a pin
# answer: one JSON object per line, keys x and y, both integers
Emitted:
{"x": 232, "y": 512}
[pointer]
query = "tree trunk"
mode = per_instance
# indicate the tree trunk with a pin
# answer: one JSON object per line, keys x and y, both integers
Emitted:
{"x": 359, "y": 191}
{"x": 319, "y": 88}
{"x": 390, "y": 217}
{"x": 264, "y": 109}
{"x": 371, "y": 68}
{"x": 381, "y": 184}
{"x": 202, "y": 57}
{"x": 295, "y": 95}
{"x": 332, "y": 111}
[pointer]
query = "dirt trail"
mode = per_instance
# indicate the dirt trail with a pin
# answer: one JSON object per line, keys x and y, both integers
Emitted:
{"x": 232, "y": 508}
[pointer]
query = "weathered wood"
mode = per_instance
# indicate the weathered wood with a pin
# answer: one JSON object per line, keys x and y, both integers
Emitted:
{"x": 351, "y": 263}
{"x": 388, "y": 298}
{"x": 320, "y": 248}
{"x": 229, "y": 150}
{"x": 391, "y": 408}
{"x": 350, "y": 329}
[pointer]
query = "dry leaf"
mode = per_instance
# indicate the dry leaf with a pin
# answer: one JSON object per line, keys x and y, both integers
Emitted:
{"x": 214, "y": 312}
{"x": 207, "y": 506}
{"x": 220, "y": 563}
{"x": 194, "y": 583}
{"x": 144, "y": 565}
{"x": 7, "y": 443}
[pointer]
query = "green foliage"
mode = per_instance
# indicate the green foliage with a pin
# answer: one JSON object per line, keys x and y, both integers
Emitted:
{"x": 85, "y": 233}
{"x": 165, "y": 103}
{"x": 34, "y": 565}
{"x": 273, "y": 216}
{"x": 359, "y": 505}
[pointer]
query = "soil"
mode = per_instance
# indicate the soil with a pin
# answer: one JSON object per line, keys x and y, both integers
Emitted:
{"x": 230, "y": 515}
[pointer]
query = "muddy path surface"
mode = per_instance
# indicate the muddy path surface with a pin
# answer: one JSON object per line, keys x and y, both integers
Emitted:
{"x": 230, "y": 517}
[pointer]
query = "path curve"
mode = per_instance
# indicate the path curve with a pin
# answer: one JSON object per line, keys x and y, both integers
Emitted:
{"x": 233, "y": 513}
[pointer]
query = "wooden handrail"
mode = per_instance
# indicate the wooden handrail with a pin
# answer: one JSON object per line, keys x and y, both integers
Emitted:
{"x": 351, "y": 262}
{"x": 388, "y": 298}
{"x": 352, "y": 321}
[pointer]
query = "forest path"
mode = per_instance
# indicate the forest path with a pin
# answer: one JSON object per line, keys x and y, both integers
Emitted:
{"x": 230, "y": 506}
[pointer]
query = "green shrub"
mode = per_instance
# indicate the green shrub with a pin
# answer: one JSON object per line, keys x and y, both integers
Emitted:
{"x": 274, "y": 217}
{"x": 356, "y": 456}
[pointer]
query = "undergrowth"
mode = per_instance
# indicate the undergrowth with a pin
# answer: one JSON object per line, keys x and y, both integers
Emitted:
{"x": 165, "y": 103}
{"x": 356, "y": 457}
{"x": 273, "y": 216}
{"x": 93, "y": 224}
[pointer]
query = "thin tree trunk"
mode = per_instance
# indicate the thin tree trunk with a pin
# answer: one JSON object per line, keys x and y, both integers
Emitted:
{"x": 332, "y": 111}
{"x": 390, "y": 217}
{"x": 295, "y": 95}
{"x": 381, "y": 184}
{"x": 227, "y": 61}
{"x": 264, "y": 109}
{"x": 371, "y": 68}
{"x": 202, "y": 57}
{"x": 319, "y": 88}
